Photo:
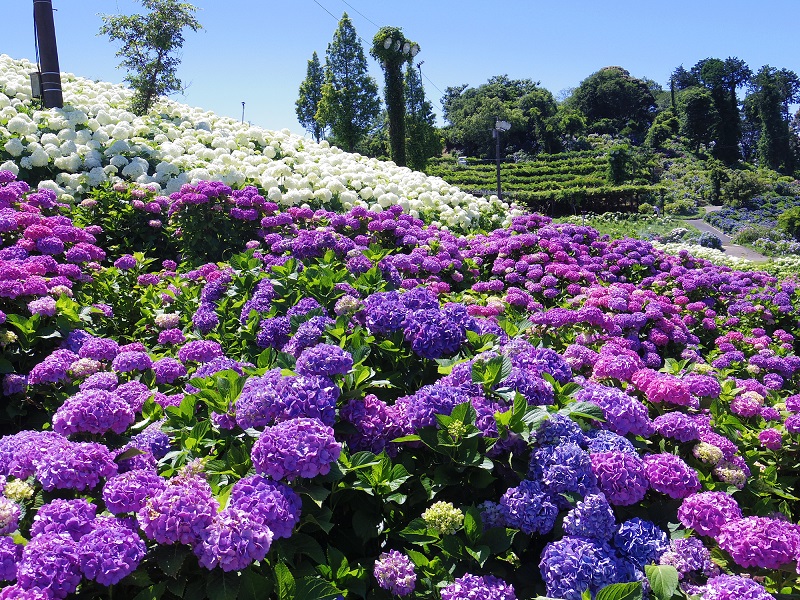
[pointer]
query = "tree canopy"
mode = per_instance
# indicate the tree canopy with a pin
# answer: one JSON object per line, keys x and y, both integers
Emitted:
{"x": 310, "y": 96}
{"x": 350, "y": 101}
{"x": 149, "y": 44}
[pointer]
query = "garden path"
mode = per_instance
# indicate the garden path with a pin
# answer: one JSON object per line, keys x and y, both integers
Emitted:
{"x": 728, "y": 246}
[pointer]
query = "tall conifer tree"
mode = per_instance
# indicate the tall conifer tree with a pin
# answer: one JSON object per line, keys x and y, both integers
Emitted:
{"x": 350, "y": 101}
{"x": 310, "y": 96}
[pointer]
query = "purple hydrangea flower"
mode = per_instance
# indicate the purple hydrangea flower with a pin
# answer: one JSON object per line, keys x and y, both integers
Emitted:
{"x": 179, "y": 513}
{"x": 620, "y": 476}
{"x": 373, "y": 421}
{"x": 536, "y": 390}
{"x": 592, "y": 518}
{"x": 45, "y": 306}
{"x": 274, "y": 332}
{"x": 76, "y": 466}
{"x": 325, "y": 360}
{"x": 669, "y": 474}
{"x": 529, "y": 508}
{"x": 74, "y": 517}
{"x": 99, "y": 349}
{"x": 678, "y": 426}
{"x": 233, "y": 540}
{"x": 125, "y": 262}
{"x": 125, "y": 362}
{"x": 641, "y": 542}
{"x": 271, "y": 502}
{"x": 562, "y": 469}
{"x": 300, "y": 447}
{"x": 571, "y": 565}
{"x": 104, "y": 380}
{"x": 485, "y": 587}
{"x": 168, "y": 369}
{"x": 93, "y": 411}
{"x": 560, "y": 429}
{"x": 600, "y": 440}
{"x": 111, "y": 552}
{"x": 171, "y": 336}
{"x": 384, "y": 312}
{"x": 690, "y": 557}
{"x": 50, "y": 562}
{"x": 624, "y": 414}
{"x": 434, "y": 333}
{"x": 733, "y": 587}
{"x": 16, "y": 592}
{"x": 394, "y": 572}
{"x": 770, "y": 438}
{"x": 200, "y": 351}
{"x": 707, "y": 512}
{"x": 10, "y": 555}
{"x": 760, "y": 542}
{"x": 129, "y": 491}
{"x": 205, "y": 319}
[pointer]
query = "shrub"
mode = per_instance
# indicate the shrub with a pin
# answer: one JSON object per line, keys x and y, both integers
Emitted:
{"x": 789, "y": 221}
{"x": 645, "y": 208}
{"x": 709, "y": 240}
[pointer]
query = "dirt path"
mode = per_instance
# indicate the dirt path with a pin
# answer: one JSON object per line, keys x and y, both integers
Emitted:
{"x": 728, "y": 246}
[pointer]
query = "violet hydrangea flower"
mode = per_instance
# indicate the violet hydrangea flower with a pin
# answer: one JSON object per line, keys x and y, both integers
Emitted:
{"x": 571, "y": 565}
{"x": 300, "y": 447}
{"x": 93, "y": 411}
{"x": 707, "y": 512}
{"x": 110, "y": 552}
{"x": 529, "y": 508}
{"x": 640, "y": 541}
{"x": 620, "y": 476}
{"x": 74, "y": 517}
{"x": 50, "y": 562}
{"x": 274, "y": 503}
{"x": 394, "y": 572}
{"x": 325, "y": 360}
{"x": 128, "y": 492}
{"x": 485, "y": 587}
{"x": 233, "y": 540}
{"x": 760, "y": 542}
{"x": 669, "y": 474}
{"x": 591, "y": 518}
{"x": 10, "y": 554}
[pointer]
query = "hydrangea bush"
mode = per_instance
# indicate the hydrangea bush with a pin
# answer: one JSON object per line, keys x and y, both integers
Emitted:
{"x": 353, "y": 403}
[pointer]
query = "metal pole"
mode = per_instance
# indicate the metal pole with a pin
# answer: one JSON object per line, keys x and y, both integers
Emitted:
{"x": 48, "y": 53}
{"x": 242, "y": 113}
{"x": 497, "y": 154}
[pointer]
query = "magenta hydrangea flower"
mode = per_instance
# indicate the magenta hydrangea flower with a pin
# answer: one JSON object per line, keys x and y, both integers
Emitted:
{"x": 74, "y": 517}
{"x": 110, "y": 552}
{"x": 93, "y": 411}
{"x": 770, "y": 438}
{"x": 707, "y": 512}
{"x": 668, "y": 389}
{"x": 394, "y": 572}
{"x": 233, "y": 540}
{"x": 670, "y": 475}
{"x": 760, "y": 542}
{"x": 50, "y": 562}
{"x": 274, "y": 503}
{"x": 299, "y": 447}
{"x": 472, "y": 587}
{"x": 620, "y": 476}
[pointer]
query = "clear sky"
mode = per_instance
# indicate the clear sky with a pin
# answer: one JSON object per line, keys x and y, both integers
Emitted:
{"x": 256, "y": 51}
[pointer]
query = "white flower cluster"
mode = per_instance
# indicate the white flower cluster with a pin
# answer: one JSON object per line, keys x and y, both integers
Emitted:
{"x": 94, "y": 139}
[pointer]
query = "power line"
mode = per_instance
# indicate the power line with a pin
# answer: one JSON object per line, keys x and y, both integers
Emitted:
{"x": 360, "y": 13}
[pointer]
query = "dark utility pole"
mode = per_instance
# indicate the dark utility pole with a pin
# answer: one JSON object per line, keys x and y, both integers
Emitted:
{"x": 48, "y": 53}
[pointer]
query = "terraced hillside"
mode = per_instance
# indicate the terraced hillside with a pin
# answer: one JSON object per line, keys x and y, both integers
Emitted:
{"x": 554, "y": 184}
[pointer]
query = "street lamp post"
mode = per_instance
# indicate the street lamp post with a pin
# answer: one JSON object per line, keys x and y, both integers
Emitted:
{"x": 498, "y": 127}
{"x": 50, "y": 73}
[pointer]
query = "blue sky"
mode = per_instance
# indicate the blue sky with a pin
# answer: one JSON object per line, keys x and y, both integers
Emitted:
{"x": 256, "y": 50}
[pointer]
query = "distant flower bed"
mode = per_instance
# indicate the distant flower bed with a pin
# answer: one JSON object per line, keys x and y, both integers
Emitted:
{"x": 92, "y": 141}
{"x": 357, "y": 404}
{"x": 756, "y": 224}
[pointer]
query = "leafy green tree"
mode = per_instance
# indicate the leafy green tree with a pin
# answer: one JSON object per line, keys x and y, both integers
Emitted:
{"x": 391, "y": 48}
{"x": 543, "y": 121}
{"x": 722, "y": 78}
{"x": 615, "y": 102}
{"x": 149, "y": 44}
{"x": 766, "y": 104}
{"x": 698, "y": 114}
{"x": 664, "y": 127}
{"x": 350, "y": 102}
{"x": 789, "y": 222}
{"x": 310, "y": 96}
{"x": 423, "y": 138}
{"x": 681, "y": 79}
{"x": 471, "y": 114}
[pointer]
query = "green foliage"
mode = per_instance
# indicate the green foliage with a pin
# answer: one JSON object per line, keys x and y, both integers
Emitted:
{"x": 307, "y": 103}
{"x": 697, "y": 116}
{"x": 620, "y": 163}
{"x": 423, "y": 140}
{"x": 471, "y": 114}
{"x": 391, "y": 49}
{"x": 149, "y": 46}
{"x": 349, "y": 102}
{"x": 664, "y": 127}
{"x": 743, "y": 185}
{"x": 615, "y": 102}
{"x": 772, "y": 90}
{"x": 789, "y": 222}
